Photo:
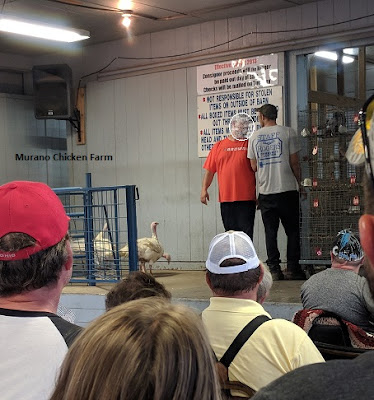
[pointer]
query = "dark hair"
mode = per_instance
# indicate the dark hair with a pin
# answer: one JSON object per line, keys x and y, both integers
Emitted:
{"x": 39, "y": 270}
{"x": 232, "y": 284}
{"x": 269, "y": 111}
{"x": 137, "y": 285}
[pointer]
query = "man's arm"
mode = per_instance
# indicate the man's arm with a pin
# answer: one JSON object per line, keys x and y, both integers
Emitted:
{"x": 253, "y": 164}
{"x": 207, "y": 180}
{"x": 295, "y": 166}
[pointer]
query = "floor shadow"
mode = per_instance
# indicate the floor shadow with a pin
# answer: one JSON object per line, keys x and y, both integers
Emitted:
{"x": 160, "y": 274}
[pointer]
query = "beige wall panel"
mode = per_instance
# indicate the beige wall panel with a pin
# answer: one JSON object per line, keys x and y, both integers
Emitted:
{"x": 293, "y": 22}
{"x": 221, "y": 35}
{"x": 249, "y": 25}
{"x": 341, "y": 13}
{"x": 325, "y": 16}
{"x": 181, "y": 40}
{"x": 263, "y": 25}
{"x": 235, "y": 29}
{"x": 194, "y": 38}
{"x": 207, "y": 36}
{"x": 361, "y": 6}
{"x": 278, "y": 24}
{"x": 309, "y": 19}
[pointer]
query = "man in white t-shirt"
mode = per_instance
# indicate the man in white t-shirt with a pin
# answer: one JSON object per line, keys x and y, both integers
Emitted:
{"x": 273, "y": 152}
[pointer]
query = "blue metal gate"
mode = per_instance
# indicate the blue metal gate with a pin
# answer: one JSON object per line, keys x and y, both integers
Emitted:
{"x": 102, "y": 221}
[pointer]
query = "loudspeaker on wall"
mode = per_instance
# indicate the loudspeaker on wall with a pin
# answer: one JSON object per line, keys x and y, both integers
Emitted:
{"x": 52, "y": 91}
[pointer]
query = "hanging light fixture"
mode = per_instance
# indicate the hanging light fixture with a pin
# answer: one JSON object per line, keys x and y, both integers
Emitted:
{"x": 126, "y": 18}
{"x": 34, "y": 29}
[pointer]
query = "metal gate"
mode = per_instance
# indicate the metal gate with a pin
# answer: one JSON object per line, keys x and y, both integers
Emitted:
{"x": 334, "y": 189}
{"x": 102, "y": 221}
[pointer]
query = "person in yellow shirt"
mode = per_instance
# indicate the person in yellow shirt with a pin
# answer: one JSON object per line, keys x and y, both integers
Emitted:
{"x": 278, "y": 346}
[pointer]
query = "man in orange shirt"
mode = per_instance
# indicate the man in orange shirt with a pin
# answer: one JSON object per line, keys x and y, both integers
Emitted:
{"x": 236, "y": 183}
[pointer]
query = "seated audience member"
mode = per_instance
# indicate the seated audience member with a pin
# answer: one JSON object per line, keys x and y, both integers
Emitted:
{"x": 146, "y": 349}
{"x": 340, "y": 379}
{"x": 264, "y": 286}
{"x": 35, "y": 265}
{"x": 234, "y": 274}
{"x": 137, "y": 285}
{"x": 340, "y": 289}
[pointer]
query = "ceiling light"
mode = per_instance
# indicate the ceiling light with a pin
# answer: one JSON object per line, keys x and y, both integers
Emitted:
{"x": 125, "y": 4}
{"x": 42, "y": 31}
{"x": 347, "y": 59}
{"x": 351, "y": 51}
{"x": 331, "y": 55}
{"x": 126, "y": 19}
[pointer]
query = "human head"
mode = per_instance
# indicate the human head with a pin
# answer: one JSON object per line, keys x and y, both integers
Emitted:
{"x": 136, "y": 286}
{"x": 366, "y": 228}
{"x": 265, "y": 285}
{"x": 239, "y": 126}
{"x": 268, "y": 111}
{"x": 34, "y": 246}
{"x": 347, "y": 250}
{"x": 232, "y": 264}
{"x": 355, "y": 154}
{"x": 146, "y": 349}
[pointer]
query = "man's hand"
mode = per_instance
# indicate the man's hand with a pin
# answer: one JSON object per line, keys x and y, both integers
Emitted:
{"x": 302, "y": 192}
{"x": 204, "y": 197}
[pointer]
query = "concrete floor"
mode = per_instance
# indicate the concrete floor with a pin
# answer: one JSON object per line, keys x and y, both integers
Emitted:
{"x": 191, "y": 285}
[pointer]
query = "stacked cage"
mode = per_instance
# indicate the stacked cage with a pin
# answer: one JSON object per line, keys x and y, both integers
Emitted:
{"x": 333, "y": 187}
{"x": 102, "y": 222}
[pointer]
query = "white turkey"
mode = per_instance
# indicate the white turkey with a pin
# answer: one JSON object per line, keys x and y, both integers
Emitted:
{"x": 102, "y": 246}
{"x": 149, "y": 250}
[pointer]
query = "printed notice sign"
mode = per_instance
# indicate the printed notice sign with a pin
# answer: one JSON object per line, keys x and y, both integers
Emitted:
{"x": 246, "y": 73}
{"x": 216, "y": 110}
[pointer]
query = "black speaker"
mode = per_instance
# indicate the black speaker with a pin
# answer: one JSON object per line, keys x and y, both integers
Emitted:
{"x": 52, "y": 91}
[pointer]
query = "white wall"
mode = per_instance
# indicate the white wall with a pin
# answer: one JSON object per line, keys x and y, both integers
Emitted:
{"x": 148, "y": 124}
{"x": 22, "y": 135}
{"x": 87, "y": 307}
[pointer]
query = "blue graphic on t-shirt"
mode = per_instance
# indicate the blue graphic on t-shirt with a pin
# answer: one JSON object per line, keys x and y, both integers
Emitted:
{"x": 269, "y": 149}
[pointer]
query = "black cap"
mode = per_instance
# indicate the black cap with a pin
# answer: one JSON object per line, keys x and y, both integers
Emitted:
{"x": 268, "y": 111}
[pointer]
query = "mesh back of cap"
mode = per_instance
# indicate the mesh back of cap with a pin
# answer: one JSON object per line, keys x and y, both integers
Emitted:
{"x": 243, "y": 247}
{"x": 236, "y": 245}
{"x": 219, "y": 250}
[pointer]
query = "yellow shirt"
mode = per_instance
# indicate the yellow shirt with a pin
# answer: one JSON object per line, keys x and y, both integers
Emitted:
{"x": 275, "y": 348}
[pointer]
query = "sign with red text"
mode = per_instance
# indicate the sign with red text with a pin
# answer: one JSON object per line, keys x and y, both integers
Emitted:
{"x": 239, "y": 74}
{"x": 215, "y": 111}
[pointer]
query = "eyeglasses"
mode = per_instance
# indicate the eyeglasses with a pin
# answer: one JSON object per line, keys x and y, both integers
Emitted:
{"x": 365, "y": 122}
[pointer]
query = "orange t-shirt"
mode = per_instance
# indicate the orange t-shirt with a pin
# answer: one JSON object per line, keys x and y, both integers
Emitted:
{"x": 236, "y": 179}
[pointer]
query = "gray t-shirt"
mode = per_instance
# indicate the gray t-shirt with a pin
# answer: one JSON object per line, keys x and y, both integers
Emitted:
{"x": 272, "y": 146}
{"x": 333, "y": 380}
{"x": 342, "y": 292}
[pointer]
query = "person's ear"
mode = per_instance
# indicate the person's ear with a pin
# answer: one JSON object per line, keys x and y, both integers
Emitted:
{"x": 207, "y": 279}
{"x": 261, "y": 274}
{"x": 366, "y": 226}
{"x": 69, "y": 262}
{"x": 331, "y": 257}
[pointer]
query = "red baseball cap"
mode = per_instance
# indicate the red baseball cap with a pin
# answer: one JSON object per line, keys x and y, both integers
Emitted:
{"x": 32, "y": 208}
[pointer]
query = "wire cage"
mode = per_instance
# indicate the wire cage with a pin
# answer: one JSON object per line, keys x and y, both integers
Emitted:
{"x": 334, "y": 191}
{"x": 102, "y": 223}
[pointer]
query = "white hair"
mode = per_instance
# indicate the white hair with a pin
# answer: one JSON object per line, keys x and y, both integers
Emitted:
{"x": 265, "y": 285}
